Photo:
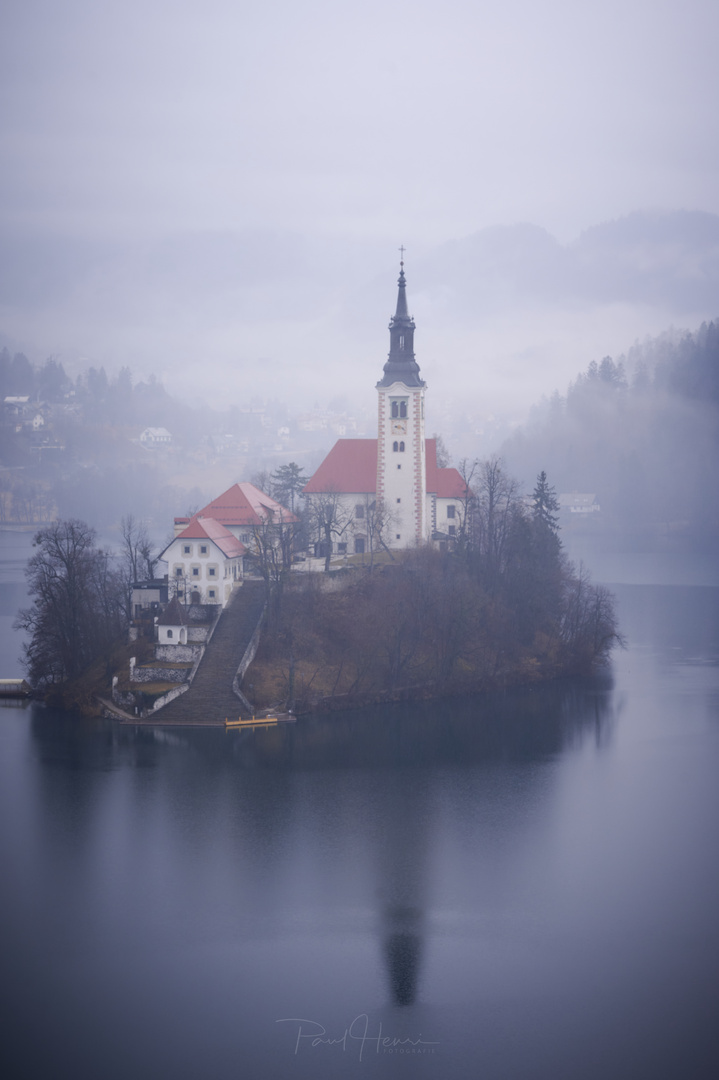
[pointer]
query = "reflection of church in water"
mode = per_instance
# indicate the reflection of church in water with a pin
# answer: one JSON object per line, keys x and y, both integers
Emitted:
{"x": 402, "y": 853}
{"x": 398, "y": 470}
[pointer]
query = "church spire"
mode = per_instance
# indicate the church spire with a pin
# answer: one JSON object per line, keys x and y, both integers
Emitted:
{"x": 401, "y": 365}
{"x": 401, "y": 312}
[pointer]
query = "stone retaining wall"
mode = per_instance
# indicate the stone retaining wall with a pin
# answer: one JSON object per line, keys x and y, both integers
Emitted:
{"x": 157, "y": 673}
{"x": 178, "y": 654}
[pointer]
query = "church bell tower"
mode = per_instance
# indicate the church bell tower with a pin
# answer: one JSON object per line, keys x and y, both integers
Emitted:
{"x": 401, "y": 466}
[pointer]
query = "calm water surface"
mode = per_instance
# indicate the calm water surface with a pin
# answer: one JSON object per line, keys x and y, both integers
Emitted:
{"x": 525, "y": 886}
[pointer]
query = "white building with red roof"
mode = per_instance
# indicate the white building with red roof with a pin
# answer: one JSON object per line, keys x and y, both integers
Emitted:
{"x": 204, "y": 561}
{"x": 242, "y": 509}
{"x": 392, "y": 483}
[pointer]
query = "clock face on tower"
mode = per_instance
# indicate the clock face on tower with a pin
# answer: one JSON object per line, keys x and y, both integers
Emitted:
{"x": 399, "y": 427}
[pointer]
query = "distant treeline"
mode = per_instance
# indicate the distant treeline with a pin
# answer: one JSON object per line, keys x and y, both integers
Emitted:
{"x": 642, "y": 433}
{"x": 503, "y": 606}
{"x": 112, "y": 400}
{"x": 84, "y": 462}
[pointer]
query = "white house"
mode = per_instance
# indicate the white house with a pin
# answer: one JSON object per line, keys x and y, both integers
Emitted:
{"x": 392, "y": 481}
{"x": 156, "y": 436}
{"x": 172, "y": 624}
{"x": 204, "y": 562}
{"x": 579, "y": 503}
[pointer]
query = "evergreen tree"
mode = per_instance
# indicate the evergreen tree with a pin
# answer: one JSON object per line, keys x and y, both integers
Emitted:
{"x": 545, "y": 509}
{"x": 287, "y": 484}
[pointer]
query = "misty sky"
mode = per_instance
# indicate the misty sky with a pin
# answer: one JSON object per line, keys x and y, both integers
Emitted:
{"x": 360, "y": 126}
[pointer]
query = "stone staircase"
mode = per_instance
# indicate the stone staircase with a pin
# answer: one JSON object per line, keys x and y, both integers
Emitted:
{"x": 210, "y": 698}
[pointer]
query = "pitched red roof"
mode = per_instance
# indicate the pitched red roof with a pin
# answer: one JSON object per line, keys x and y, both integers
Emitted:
{"x": 245, "y": 504}
{"x": 444, "y": 483}
{"x": 351, "y": 467}
{"x": 206, "y": 528}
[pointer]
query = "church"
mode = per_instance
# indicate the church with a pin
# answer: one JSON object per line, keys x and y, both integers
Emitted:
{"x": 388, "y": 491}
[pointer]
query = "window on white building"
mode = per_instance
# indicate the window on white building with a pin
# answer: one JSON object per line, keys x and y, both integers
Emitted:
{"x": 186, "y": 549}
{"x": 359, "y": 510}
{"x": 212, "y": 571}
{"x": 450, "y": 511}
{"x": 203, "y": 549}
{"x": 169, "y": 633}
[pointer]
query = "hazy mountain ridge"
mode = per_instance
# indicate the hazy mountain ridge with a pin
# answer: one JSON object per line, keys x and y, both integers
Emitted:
{"x": 642, "y": 433}
{"x": 508, "y": 311}
{"x": 667, "y": 259}
{"x": 643, "y": 256}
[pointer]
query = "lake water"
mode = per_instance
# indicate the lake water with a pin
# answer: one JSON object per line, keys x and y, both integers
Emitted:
{"x": 524, "y": 886}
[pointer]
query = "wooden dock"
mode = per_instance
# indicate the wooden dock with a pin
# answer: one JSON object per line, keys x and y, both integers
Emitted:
{"x": 259, "y": 721}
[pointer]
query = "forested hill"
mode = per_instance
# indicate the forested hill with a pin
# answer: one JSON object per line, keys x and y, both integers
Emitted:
{"x": 642, "y": 433}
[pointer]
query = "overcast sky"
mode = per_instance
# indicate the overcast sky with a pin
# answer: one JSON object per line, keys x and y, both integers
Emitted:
{"x": 381, "y": 122}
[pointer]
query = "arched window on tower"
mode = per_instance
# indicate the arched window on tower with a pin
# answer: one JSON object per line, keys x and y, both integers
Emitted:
{"x": 403, "y": 408}
{"x": 395, "y": 410}
{"x": 401, "y": 341}
{"x": 395, "y": 447}
{"x": 401, "y": 448}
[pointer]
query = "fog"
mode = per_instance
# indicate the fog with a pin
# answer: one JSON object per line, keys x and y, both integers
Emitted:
{"x": 217, "y": 195}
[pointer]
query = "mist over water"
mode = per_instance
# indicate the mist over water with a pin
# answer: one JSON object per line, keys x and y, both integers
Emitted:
{"x": 521, "y": 885}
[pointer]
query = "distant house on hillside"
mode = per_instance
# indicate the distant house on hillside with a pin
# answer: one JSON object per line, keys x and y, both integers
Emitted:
{"x": 156, "y": 436}
{"x": 578, "y": 503}
{"x": 14, "y": 405}
{"x": 204, "y": 562}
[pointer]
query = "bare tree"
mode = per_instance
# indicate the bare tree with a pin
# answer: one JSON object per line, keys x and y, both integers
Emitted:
{"x": 496, "y": 506}
{"x": 379, "y": 519}
{"x": 467, "y": 470}
{"x": 138, "y": 550}
{"x": 329, "y": 519}
{"x": 262, "y": 479}
{"x": 77, "y": 603}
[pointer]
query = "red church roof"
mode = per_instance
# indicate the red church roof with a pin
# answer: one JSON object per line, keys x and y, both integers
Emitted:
{"x": 245, "y": 504}
{"x": 351, "y": 467}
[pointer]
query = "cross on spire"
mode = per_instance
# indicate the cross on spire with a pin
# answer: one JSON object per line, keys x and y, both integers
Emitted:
{"x": 402, "y": 250}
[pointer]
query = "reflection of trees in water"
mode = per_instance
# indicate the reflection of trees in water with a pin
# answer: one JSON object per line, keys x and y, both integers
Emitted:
{"x": 253, "y": 792}
{"x": 521, "y": 724}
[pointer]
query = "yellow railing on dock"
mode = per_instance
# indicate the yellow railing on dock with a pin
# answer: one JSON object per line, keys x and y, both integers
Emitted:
{"x": 256, "y": 721}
